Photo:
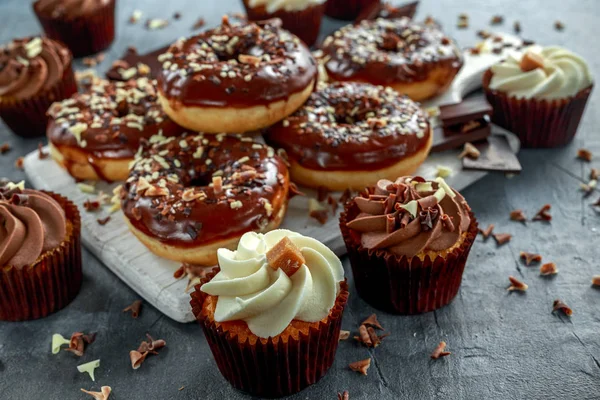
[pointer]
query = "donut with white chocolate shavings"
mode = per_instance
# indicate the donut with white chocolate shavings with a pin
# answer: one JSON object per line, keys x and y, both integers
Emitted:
{"x": 190, "y": 195}
{"x": 349, "y": 135}
{"x": 236, "y": 77}
{"x": 95, "y": 134}
{"x": 415, "y": 59}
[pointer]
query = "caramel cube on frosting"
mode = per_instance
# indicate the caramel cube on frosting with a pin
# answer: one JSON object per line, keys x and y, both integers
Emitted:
{"x": 531, "y": 61}
{"x": 285, "y": 255}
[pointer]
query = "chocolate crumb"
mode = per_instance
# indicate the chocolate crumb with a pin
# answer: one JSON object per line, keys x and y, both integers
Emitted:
{"x": 372, "y": 321}
{"x": 344, "y": 335}
{"x": 344, "y": 396}
{"x": 516, "y": 285}
{"x": 91, "y": 205}
{"x": 440, "y": 351}
{"x": 530, "y": 257}
{"x": 585, "y": 155}
{"x": 103, "y": 221}
{"x": 346, "y": 195}
{"x": 497, "y": 20}
{"x": 487, "y": 231}
{"x": 135, "y": 308}
{"x": 559, "y": 305}
{"x": 517, "y": 27}
{"x": 103, "y": 394}
{"x": 19, "y": 163}
{"x": 177, "y": 16}
{"x": 41, "y": 153}
{"x": 543, "y": 214}
{"x": 548, "y": 269}
{"x": 559, "y": 26}
{"x": 5, "y": 148}
{"x": 199, "y": 24}
{"x": 361, "y": 366}
{"x": 518, "y": 215}
{"x": 502, "y": 238}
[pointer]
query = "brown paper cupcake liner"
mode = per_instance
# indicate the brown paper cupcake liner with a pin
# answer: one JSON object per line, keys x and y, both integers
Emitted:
{"x": 405, "y": 285}
{"x": 27, "y": 117}
{"x": 84, "y": 35}
{"x": 304, "y": 23}
{"x": 272, "y": 367}
{"x": 51, "y": 282}
{"x": 347, "y": 9}
{"x": 537, "y": 123}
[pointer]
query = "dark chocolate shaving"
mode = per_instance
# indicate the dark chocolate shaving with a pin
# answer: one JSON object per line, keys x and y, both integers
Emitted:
{"x": 135, "y": 308}
{"x": 322, "y": 193}
{"x": 320, "y": 215}
{"x": 344, "y": 395}
{"x": 372, "y": 321}
{"x": 530, "y": 257}
{"x": 487, "y": 231}
{"x": 361, "y": 366}
{"x": 5, "y": 148}
{"x": 103, "y": 221}
{"x": 584, "y": 154}
{"x": 294, "y": 191}
{"x": 543, "y": 214}
{"x": 440, "y": 351}
{"x": 518, "y": 215}
{"x": 502, "y": 238}
{"x": 559, "y": 305}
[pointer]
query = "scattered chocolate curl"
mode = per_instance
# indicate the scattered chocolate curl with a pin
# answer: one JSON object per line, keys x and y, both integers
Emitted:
{"x": 103, "y": 394}
{"x": 543, "y": 214}
{"x": 516, "y": 285}
{"x": 372, "y": 321}
{"x": 294, "y": 191}
{"x": 5, "y": 148}
{"x": 78, "y": 342}
{"x": 103, "y": 221}
{"x": 548, "y": 269}
{"x": 344, "y": 396}
{"x": 530, "y": 257}
{"x": 584, "y": 154}
{"x": 518, "y": 215}
{"x": 440, "y": 351}
{"x": 470, "y": 151}
{"x": 596, "y": 280}
{"x": 502, "y": 238}
{"x": 151, "y": 345}
{"x": 361, "y": 366}
{"x": 344, "y": 335}
{"x": 559, "y": 305}
{"x": 135, "y": 308}
{"x": 137, "y": 358}
{"x": 487, "y": 231}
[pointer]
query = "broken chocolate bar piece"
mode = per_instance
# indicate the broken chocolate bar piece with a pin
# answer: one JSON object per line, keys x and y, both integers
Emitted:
{"x": 467, "y": 111}
{"x": 496, "y": 155}
{"x": 131, "y": 59}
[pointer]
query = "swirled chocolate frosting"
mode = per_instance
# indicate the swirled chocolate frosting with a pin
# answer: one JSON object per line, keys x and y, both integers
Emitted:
{"x": 30, "y": 66}
{"x": 410, "y": 216}
{"x": 31, "y": 223}
{"x": 68, "y": 9}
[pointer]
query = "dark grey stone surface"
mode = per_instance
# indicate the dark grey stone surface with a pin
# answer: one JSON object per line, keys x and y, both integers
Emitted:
{"x": 504, "y": 346}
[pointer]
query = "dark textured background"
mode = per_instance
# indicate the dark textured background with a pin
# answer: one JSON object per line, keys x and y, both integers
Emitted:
{"x": 504, "y": 346}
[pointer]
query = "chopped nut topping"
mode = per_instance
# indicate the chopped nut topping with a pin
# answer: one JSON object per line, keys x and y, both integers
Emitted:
{"x": 530, "y": 257}
{"x": 548, "y": 269}
{"x": 487, "y": 231}
{"x": 440, "y": 351}
{"x": 103, "y": 394}
{"x": 470, "y": 151}
{"x": 516, "y": 285}
{"x": 531, "y": 61}
{"x": 502, "y": 238}
{"x": 518, "y": 215}
{"x": 361, "y": 366}
{"x": 559, "y": 305}
{"x": 344, "y": 335}
{"x": 585, "y": 155}
{"x": 285, "y": 255}
{"x": 543, "y": 214}
{"x": 135, "y": 308}
{"x": 443, "y": 171}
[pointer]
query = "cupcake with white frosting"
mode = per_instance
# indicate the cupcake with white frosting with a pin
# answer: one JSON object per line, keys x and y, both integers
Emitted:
{"x": 277, "y": 295}
{"x": 540, "y": 94}
{"x": 301, "y": 17}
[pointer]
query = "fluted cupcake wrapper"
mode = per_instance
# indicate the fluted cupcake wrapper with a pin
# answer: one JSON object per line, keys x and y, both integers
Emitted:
{"x": 347, "y": 9}
{"x": 303, "y": 23}
{"x": 27, "y": 117}
{"x": 85, "y": 35}
{"x": 273, "y": 367}
{"x": 537, "y": 123}
{"x": 406, "y": 285}
{"x": 48, "y": 285}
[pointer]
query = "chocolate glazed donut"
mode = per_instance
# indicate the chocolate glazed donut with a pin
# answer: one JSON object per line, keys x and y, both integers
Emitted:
{"x": 349, "y": 135}
{"x": 95, "y": 134}
{"x": 190, "y": 195}
{"x": 236, "y": 78}
{"x": 416, "y": 60}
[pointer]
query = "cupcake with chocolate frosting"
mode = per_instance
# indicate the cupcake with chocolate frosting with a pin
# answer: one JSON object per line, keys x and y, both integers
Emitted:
{"x": 408, "y": 243}
{"x": 540, "y": 94}
{"x": 271, "y": 313}
{"x": 301, "y": 17}
{"x": 40, "y": 253}
{"x": 85, "y": 26}
{"x": 34, "y": 72}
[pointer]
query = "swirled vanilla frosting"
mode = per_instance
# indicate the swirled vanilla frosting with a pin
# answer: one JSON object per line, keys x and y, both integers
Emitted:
{"x": 287, "y": 5}
{"x": 252, "y": 288}
{"x": 557, "y": 73}
{"x": 410, "y": 216}
{"x": 31, "y": 223}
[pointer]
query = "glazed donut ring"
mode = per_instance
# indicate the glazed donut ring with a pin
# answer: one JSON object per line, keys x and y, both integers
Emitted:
{"x": 349, "y": 135}
{"x": 190, "y": 195}
{"x": 95, "y": 135}
{"x": 236, "y": 78}
{"x": 416, "y": 60}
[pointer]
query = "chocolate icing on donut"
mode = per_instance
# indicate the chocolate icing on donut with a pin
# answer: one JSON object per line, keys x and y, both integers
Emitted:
{"x": 109, "y": 119}
{"x": 193, "y": 190}
{"x": 386, "y": 51}
{"x": 352, "y": 126}
{"x": 233, "y": 65}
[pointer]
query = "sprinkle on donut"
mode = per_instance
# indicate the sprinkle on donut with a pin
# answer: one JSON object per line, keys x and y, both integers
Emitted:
{"x": 195, "y": 189}
{"x": 236, "y": 64}
{"x": 384, "y": 51}
{"x": 352, "y": 126}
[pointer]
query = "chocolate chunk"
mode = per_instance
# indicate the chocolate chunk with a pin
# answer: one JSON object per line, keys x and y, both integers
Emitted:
{"x": 468, "y": 110}
{"x": 496, "y": 155}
